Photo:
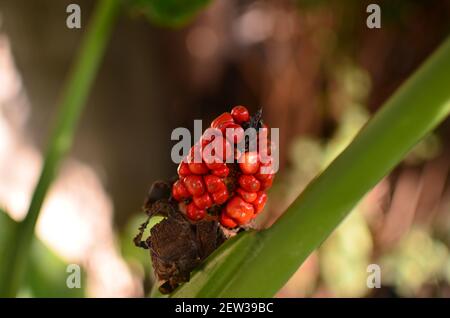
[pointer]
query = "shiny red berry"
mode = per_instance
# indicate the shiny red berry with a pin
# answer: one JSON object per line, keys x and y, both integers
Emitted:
{"x": 179, "y": 191}
{"x": 265, "y": 171}
{"x": 221, "y": 172}
{"x": 247, "y": 196}
{"x": 245, "y": 217}
{"x": 237, "y": 208}
{"x": 240, "y": 114}
{"x": 263, "y": 142}
{"x": 215, "y": 165}
{"x": 218, "y": 151}
{"x": 194, "y": 155}
{"x": 249, "y": 183}
{"x": 194, "y": 184}
{"x": 226, "y": 221}
{"x": 198, "y": 168}
{"x": 209, "y": 135}
{"x": 220, "y": 197}
{"x": 211, "y": 159}
{"x": 266, "y": 160}
{"x": 226, "y": 151}
{"x": 203, "y": 201}
{"x": 194, "y": 213}
{"x": 222, "y": 121}
{"x": 260, "y": 201}
{"x": 267, "y": 183}
{"x": 234, "y": 133}
{"x": 248, "y": 162}
{"x": 214, "y": 183}
{"x": 183, "y": 169}
{"x": 262, "y": 176}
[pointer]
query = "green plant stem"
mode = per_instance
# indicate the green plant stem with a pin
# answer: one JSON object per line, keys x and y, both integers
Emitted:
{"x": 258, "y": 264}
{"x": 72, "y": 103}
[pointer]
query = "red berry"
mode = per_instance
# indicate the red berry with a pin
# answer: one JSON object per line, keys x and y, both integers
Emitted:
{"x": 194, "y": 155}
{"x": 245, "y": 217}
{"x": 225, "y": 150}
{"x": 265, "y": 170}
{"x": 267, "y": 183}
{"x": 209, "y": 135}
{"x": 220, "y": 197}
{"x": 215, "y": 165}
{"x": 179, "y": 191}
{"x": 240, "y": 114}
{"x": 202, "y": 182}
{"x": 183, "y": 169}
{"x": 221, "y": 121}
{"x": 238, "y": 209}
{"x": 265, "y": 157}
{"x": 203, "y": 201}
{"x": 234, "y": 133}
{"x": 218, "y": 151}
{"x": 214, "y": 183}
{"x": 198, "y": 168}
{"x": 226, "y": 221}
{"x": 249, "y": 183}
{"x": 262, "y": 176}
{"x": 194, "y": 184}
{"x": 225, "y": 126}
{"x": 249, "y": 162}
{"x": 263, "y": 142}
{"x": 211, "y": 159}
{"x": 194, "y": 213}
{"x": 221, "y": 172}
{"x": 247, "y": 196}
{"x": 260, "y": 201}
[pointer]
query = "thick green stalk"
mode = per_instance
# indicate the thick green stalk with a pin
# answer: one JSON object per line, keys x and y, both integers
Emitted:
{"x": 258, "y": 264}
{"x": 72, "y": 103}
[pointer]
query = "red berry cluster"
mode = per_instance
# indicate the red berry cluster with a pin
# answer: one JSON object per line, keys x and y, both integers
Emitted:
{"x": 236, "y": 188}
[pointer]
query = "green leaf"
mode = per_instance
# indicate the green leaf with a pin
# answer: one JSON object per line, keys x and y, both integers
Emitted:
{"x": 172, "y": 13}
{"x": 417, "y": 258}
{"x": 47, "y": 274}
{"x": 7, "y": 231}
{"x": 210, "y": 279}
{"x": 258, "y": 264}
{"x": 71, "y": 106}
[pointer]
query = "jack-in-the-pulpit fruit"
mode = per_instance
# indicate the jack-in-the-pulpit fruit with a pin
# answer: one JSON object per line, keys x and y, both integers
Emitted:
{"x": 220, "y": 188}
{"x": 214, "y": 183}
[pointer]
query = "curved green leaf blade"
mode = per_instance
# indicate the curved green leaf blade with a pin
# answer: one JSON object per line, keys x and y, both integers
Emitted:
{"x": 8, "y": 228}
{"x": 71, "y": 106}
{"x": 259, "y": 264}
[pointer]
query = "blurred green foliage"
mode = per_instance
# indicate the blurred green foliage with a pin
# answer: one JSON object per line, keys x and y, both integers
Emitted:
{"x": 172, "y": 13}
{"x": 7, "y": 229}
{"x": 416, "y": 260}
{"x": 345, "y": 255}
{"x": 46, "y": 273}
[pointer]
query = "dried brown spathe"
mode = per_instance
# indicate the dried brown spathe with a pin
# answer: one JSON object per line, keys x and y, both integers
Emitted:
{"x": 176, "y": 244}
